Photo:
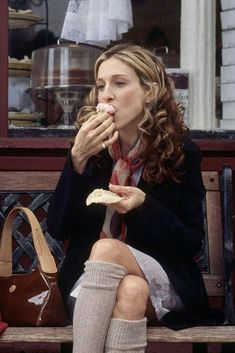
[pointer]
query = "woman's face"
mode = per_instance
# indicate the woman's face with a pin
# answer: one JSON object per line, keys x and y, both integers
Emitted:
{"x": 118, "y": 84}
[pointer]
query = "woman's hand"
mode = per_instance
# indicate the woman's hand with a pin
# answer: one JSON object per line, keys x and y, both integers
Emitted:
{"x": 91, "y": 137}
{"x": 133, "y": 198}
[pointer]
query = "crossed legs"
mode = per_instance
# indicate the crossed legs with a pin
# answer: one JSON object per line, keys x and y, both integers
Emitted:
{"x": 133, "y": 291}
{"x": 112, "y": 301}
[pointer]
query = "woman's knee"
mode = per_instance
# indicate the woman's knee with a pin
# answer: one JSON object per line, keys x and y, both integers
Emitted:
{"x": 106, "y": 250}
{"x": 132, "y": 298}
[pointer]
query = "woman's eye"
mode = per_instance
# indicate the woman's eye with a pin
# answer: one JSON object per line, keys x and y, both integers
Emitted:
{"x": 119, "y": 83}
{"x": 100, "y": 87}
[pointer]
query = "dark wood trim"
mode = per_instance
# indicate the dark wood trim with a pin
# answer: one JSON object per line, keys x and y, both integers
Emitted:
{"x": 56, "y": 160}
{"x": 206, "y": 145}
{"x": 4, "y": 68}
{"x": 211, "y": 144}
{"x": 25, "y": 163}
{"x": 35, "y": 143}
{"x": 215, "y": 163}
{"x": 50, "y": 153}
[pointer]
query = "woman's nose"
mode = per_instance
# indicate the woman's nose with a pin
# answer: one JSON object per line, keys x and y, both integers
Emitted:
{"x": 107, "y": 95}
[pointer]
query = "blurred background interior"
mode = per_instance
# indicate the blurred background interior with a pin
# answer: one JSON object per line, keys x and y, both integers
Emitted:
{"x": 50, "y": 103}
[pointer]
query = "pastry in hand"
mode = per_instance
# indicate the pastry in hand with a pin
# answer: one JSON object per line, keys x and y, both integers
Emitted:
{"x": 106, "y": 107}
{"x": 103, "y": 196}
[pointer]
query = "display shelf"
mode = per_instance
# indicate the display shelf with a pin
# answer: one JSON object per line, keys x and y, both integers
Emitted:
{"x": 17, "y": 65}
{"x": 22, "y": 20}
{"x": 19, "y": 69}
{"x": 18, "y": 73}
{"x": 24, "y": 120}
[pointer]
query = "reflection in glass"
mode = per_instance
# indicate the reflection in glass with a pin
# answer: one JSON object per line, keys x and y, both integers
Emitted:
{"x": 65, "y": 70}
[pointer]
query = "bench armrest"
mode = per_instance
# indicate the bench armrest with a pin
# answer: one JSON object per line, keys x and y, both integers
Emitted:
{"x": 229, "y": 259}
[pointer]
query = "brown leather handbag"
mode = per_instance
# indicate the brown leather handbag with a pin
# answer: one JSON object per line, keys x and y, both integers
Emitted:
{"x": 30, "y": 299}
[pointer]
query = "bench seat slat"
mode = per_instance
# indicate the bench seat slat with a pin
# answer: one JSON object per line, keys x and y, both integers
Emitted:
{"x": 37, "y": 334}
{"x": 207, "y": 334}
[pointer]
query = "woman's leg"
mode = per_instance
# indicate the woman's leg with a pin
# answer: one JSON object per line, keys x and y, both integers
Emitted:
{"x": 115, "y": 251}
{"x": 109, "y": 262}
{"x": 94, "y": 306}
{"x": 127, "y": 330}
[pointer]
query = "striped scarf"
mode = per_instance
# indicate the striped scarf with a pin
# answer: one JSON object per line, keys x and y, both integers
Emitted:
{"x": 127, "y": 171}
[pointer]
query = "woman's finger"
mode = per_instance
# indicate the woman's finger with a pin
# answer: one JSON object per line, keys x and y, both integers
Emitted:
{"x": 120, "y": 189}
{"x": 104, "y": 126}
{"x": 98, "y": 119}
{"x": 107, "y": 132}
{"x": 108, "y": 142}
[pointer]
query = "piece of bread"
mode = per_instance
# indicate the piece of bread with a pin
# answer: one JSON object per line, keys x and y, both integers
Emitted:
{"x": 102, "y": 196}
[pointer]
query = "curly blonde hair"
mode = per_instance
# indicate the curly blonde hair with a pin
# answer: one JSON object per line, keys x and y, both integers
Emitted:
{"x": 162, "y": 127}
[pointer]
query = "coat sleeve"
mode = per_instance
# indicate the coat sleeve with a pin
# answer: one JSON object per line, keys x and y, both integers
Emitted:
{"x": 173, "y": 227}
{"x": 67, "y": 202}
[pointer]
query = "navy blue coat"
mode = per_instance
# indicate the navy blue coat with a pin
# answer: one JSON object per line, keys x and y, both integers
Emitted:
{"x": 168, "y": 226}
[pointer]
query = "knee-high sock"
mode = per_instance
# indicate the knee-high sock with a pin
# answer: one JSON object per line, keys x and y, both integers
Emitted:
{"x": 128, "y": 336}
{"x": 94, "y": 306}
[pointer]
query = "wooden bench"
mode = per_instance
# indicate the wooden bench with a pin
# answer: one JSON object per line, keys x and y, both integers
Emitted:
{"x": 216, "y": 260}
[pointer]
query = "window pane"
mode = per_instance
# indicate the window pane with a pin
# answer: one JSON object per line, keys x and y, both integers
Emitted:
{"x": 156, "y": 26}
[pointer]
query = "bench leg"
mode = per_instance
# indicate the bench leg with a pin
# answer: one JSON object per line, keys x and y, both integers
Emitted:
{"x": 199, "y": 347}
{"x": 66, "y": 347}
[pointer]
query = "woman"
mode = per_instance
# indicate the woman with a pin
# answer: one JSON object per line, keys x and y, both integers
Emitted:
{"x": 140, "y": 249}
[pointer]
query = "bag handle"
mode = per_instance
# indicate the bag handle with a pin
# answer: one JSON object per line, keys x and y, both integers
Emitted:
{"x": 46, "y": 260}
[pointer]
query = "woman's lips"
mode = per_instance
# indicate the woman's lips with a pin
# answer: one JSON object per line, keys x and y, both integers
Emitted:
{"x": 106, "y": 107}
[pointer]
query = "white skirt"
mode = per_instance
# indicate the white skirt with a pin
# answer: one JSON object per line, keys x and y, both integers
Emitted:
{"x": 162, "y": 294}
